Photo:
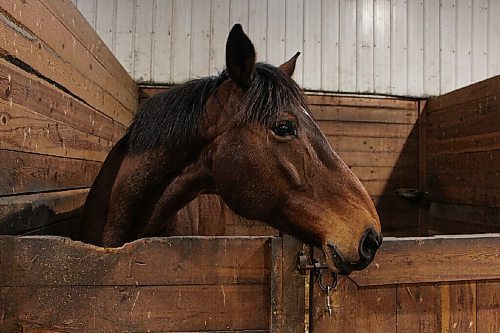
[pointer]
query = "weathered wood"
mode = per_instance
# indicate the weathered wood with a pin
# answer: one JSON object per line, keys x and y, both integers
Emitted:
{"x": 364, "y": 114}
{"x": 354, "y": 309}
{"x": 293, "y": 287}
{"x": 460, "y": 145}
{"x": 373, "y": 145}
{"x": 360, "y": 101}
{"x": 70, "y": 16}
{"x": 488, "y": 306}
{"x": 276, "y": 313}
{"x": 466, "y": 213}
{"x": 31, "y": 92}
{"x": 461, "y": 314}
{"x": 433, "y": 259}
{"x": 457, "y": 97}
{"x": 418, "y": 308}
{"x": 36, "y": 18}
{"x": 55, "y": 261}
{"x": 24, "y": 130}
{"x": 137, "y": 308}
{"x": 478, "y": 161}
{"x": 27, "y": 212}
{"x": 21, "y": 44}
{"x": 377, "y": 130}
{"x": 422, "y": 167}
{"x": 25, "y": 173}
{"x": 465, "y": 195}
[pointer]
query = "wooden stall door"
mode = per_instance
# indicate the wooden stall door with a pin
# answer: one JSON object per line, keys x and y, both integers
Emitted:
{"x": 424, "y": 285}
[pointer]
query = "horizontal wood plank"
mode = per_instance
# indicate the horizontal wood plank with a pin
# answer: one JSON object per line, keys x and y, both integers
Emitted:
{"x": 24, "y": 130}
{"x": 29, "y": 91}
{"x": 364, "y": 114}
{"x": 137, "y": 308}
{"x": 35, "y": 17}
{"x": 373, "y": 144}
{"x": 20, "y": 44}
{"x": 360, "y": 101}
{"x": 27, "y": 212}
{"x": 171, "y": 261}
{"x": 433, "y": 259}
{"x": 24, "y": 173}
{"x": 69, "y": 15}
{"x": 360, "y": 129}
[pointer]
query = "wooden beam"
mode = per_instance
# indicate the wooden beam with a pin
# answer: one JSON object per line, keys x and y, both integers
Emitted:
{"x": 27, "y": 173}
{"x": 433, "y": 259}
{"x": 35, "y": 55}
{"x": 36, "y": 18}
{"x": 27, "y": 212}
{"x": 171, "y": 261}
{"x": 27, "y": 90}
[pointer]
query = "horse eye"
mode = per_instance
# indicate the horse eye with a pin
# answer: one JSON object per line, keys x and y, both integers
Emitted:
{"x": 285, "y": 128}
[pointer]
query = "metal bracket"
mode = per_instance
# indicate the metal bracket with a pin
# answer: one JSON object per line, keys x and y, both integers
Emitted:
{"x": 304, "y": 263}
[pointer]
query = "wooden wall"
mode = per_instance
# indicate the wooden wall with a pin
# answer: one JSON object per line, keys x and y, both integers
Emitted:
{"x": 377, "y": 137}
{"x": 462, "y": 143}
{"x": 421, "y": 284}
{"x": 64, "y": 101}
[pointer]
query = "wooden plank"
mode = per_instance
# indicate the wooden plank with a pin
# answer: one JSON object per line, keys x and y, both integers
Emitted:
{"x": 24, "y": 130}
{"x": 465, "y": 195}
{"x": 433, "y": 259}
{"x": 374, "y": 145}
{"x": 69, "y": 15}
{"x": 418, "y": 308}
{"x": 488, "y": 306}
{"x": 354, "y": 309}
{"x": 35, "y": 17}
{"x": 29, "y": 91}
{"x": 385, "y": 173}
{"x": 293, "y": 287}
{"x": 137, "y": 308}
{"x": 377, "y": 130}
{"x": 22, "y": 45}
{"x": 364, "y": 114}
{"x": 464, "y": 178}
{"x": 478, "y": 161}
{"x": 477, "y": 91}
{"x": 276, "y": 311}
{"x": 458, "y": 307}
{"x": 355, "y": 159}
{"x": 27, "y": 212}
{"x": 466, "y": 213}
{"x": 172, "y": 261}
{"x": 485, "y": 124}
{"x": 361, "y": 101}
{"x": 469, "y": 144}
{"x": 27, "y": 173}
{"x": 422, "y": 166}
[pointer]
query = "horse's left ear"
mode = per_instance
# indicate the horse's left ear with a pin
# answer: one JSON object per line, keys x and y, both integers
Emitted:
{"x": 289, "y": 66}
{"x": 240, "y": 57}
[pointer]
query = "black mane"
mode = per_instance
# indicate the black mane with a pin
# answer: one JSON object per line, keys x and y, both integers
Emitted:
{"x": 173, "y": 117}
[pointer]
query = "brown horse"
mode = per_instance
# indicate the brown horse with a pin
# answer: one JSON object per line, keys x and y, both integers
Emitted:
{"x": 248, "y": 136}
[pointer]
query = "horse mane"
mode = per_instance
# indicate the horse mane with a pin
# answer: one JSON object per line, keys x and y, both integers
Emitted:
{"x": 173, "y": 117}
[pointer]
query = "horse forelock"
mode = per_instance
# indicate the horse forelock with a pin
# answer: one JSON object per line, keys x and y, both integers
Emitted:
{"x": 174, "y": 117}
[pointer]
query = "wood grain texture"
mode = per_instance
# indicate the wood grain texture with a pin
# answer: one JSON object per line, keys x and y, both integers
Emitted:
{"x": 31, "y": 92}
{"x": 29, "y": 173}
{"x": 28, "y": 212}
{"x": 21, "y": 45}
{"x": 146, "y": 262}
{"x": 36, "y": 18}
{"x": 488, "y": 306}
{"x": 156, "y": 284}
{"x": 433, "y": 259}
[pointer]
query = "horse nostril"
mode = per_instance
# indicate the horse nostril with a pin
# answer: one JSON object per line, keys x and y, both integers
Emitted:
{"x": 369, "y": 245}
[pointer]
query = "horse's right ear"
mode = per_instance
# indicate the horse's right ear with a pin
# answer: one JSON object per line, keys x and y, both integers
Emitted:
{"x": 240, "y": 57}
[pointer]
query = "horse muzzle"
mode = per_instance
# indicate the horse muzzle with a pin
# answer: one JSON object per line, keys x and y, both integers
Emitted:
{"x": 369, "y": 244}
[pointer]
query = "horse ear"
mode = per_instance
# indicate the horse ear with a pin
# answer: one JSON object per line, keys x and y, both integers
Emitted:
{"x": 289, "y": 66}
{"x": 240, "y": 57}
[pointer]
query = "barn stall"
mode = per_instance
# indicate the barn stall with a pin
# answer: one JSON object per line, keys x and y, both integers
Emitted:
{"x": 430, "y": 165}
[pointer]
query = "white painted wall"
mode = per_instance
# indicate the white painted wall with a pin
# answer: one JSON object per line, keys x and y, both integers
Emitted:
{"x": 395, "y": 47}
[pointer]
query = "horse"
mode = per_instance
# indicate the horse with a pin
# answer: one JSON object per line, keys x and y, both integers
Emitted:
{"x": 247, "y": 135}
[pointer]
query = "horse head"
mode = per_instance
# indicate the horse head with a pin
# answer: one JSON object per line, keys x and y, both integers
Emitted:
{"x": 269, "y": 161}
